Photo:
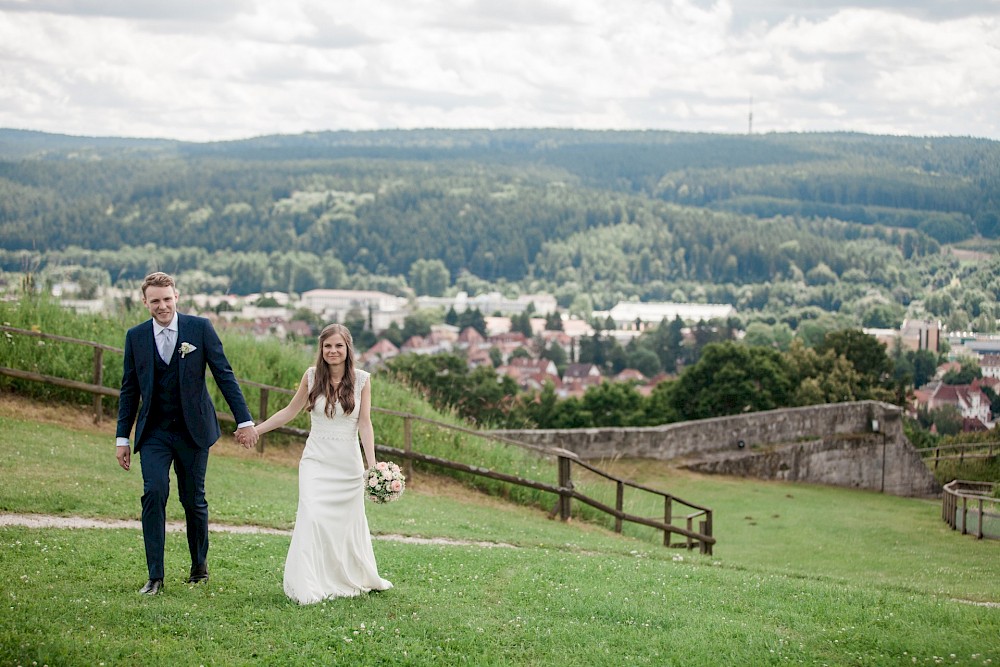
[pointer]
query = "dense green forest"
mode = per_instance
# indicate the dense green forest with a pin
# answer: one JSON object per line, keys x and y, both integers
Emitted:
{"x": 789, "y": 228}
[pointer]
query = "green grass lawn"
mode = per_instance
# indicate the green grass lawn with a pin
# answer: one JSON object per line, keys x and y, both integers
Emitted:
{"x": 800, "y": 575}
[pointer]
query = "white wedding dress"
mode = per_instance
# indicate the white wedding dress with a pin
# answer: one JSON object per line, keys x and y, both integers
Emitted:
{"x": 331, "y": 552}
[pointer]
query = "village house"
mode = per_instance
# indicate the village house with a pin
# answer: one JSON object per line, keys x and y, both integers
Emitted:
{"x": 490, "y": 303}
{"x": 508, "y": 342}
{"x": 478, "y": 357}
{"x": 647, "y": 388}
{"x": 563, "y": 339}
{"x": 630, "y": 375}
{"x": 639, "y": 316}
{"x": 531, "y": 374}
{"x": 496, "y": 324}
{"x": 913, "y": 335}
{"x": 433, "y": 343}
{"x": 335, "y": 305}
{"x": 970, "y": 401}
{"x": 470, "y": 339}
{"x": 989, "y": 365}
{"x": 578, "y": 378}
{"x": 382, "y": 351}
{"x": 285, "y": 328}
{"x": 921, "y": 335}
{"x": 970, "y": 343}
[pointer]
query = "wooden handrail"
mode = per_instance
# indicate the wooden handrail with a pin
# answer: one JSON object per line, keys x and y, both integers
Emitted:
{"x": 979, "y": 492}
{"x": 962, "y": 457}
{"x": 964, "y": 445}
{"x": 64, "y": 339}
{"x": 636, "y": 485}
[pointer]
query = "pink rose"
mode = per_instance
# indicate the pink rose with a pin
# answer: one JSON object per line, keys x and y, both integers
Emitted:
{"x": 382, "y": 465}
{"x": 373, "y": 481}
{"x": 397, "y": 486}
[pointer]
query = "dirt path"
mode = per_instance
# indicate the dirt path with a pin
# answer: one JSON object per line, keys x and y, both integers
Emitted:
{"x": 46, "y": 521}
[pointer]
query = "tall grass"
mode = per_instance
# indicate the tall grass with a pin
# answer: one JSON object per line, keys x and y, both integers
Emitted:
{"x": 65, "y": 360}
{"x": 977, "y": 470}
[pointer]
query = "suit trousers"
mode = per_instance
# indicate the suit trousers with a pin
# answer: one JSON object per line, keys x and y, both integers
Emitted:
{"x": 158, "y": 451}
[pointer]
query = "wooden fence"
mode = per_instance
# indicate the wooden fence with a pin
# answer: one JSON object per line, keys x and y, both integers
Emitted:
{"x": 972, "y": 451}
{"x": 955, "y": 509}
{"x": 697, "y": 519}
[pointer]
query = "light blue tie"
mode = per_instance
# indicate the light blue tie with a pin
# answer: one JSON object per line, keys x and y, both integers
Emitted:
{"x": 166, "y": 345}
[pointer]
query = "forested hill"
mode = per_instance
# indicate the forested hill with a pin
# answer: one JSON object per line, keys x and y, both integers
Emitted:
{"x": 621, "y": 208}
{"x": 856, "y": 169}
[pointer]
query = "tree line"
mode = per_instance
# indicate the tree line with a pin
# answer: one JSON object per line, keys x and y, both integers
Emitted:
{"x": 725, "y": 377}
{"x": 777, "y": 225}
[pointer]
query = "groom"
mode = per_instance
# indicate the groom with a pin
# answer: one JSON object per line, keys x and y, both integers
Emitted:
{"x": 163, "y": 381}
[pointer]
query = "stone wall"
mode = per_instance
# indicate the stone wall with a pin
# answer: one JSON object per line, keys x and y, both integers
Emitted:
{"x": 857, "y": 445}
{"x": 860, "y": 461}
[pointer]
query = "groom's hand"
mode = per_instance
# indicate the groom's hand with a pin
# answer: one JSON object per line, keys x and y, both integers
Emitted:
{"x": 247, "y": 436}
{"x": 124, "y": 457}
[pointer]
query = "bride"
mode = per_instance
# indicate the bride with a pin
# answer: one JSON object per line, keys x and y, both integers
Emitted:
{"x": 331, "y": 551}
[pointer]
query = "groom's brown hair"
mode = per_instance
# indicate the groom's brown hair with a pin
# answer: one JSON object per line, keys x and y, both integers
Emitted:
{"x": 157, "y": 279}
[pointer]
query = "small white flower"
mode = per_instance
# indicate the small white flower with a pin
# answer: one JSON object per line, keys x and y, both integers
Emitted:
{"x": 185, "y": 348}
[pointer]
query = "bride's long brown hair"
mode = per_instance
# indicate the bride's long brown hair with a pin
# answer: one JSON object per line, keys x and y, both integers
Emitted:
{"x": 321, "y": 382}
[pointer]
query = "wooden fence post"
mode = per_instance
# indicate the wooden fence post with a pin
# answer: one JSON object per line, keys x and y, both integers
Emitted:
{"x": 264, "y": 395}
{"x": 99, "y": 381}
{"x": 706, "y": 547}
{"x": 668, "y": 517}
{"x": 408, "y": 448}
{"x": 979, "y": 531}
{"x": 619, "y": 505}
{"x": 565, "y": 482}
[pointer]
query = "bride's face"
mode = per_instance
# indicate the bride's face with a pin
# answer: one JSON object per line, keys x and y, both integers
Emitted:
{"x": 335, "y": 350}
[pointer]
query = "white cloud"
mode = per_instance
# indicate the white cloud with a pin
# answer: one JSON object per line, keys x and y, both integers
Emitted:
{"x": 209, "y": 70}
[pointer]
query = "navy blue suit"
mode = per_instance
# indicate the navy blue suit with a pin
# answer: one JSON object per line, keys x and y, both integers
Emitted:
{"x": 176, "y": 425}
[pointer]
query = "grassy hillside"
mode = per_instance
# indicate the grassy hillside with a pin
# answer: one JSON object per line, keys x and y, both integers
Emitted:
{"x": 801, "y": 574}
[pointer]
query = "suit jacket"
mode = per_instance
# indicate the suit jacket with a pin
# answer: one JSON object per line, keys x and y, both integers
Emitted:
{"x": 196, "y": 405}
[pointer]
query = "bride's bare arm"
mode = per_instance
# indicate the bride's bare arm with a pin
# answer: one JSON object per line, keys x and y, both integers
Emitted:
{"x": 365, "y": 428}
{"x": 287, "y": 413}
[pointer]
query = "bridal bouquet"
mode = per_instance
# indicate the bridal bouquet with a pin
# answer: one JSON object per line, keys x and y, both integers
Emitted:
{"x": 384, "y": 482}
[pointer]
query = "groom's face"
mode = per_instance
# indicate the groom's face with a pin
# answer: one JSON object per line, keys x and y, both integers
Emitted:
{"x": 161, "y": 302}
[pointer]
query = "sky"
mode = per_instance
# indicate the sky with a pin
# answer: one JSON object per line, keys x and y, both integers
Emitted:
{"x": 204, "y": 70}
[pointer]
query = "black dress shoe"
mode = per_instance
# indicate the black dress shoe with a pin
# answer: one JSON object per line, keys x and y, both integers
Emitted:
{"x": 152, "y": 587}
{"x": 199, "y": 574}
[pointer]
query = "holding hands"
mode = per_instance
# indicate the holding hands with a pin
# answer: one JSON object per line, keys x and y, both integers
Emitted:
{"x": 247, "y": 436}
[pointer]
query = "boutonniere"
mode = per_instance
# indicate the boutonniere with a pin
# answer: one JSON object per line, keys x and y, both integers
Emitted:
{"x": 185, "y": 348}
